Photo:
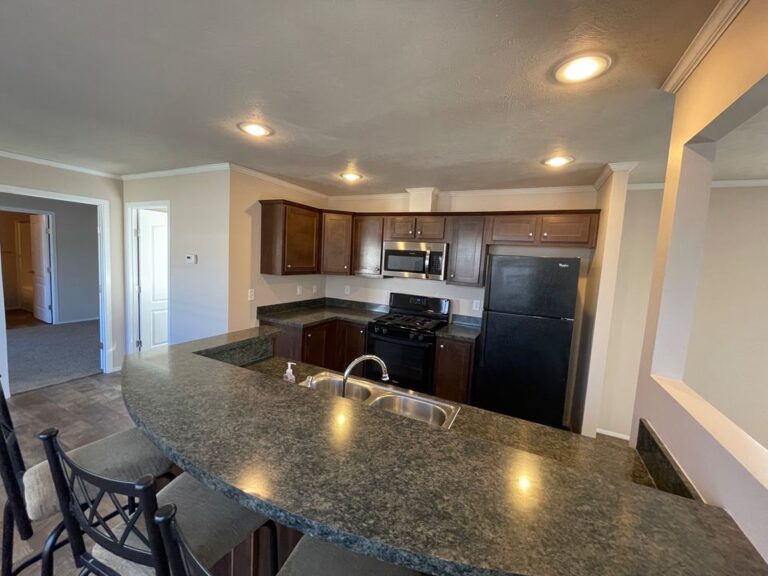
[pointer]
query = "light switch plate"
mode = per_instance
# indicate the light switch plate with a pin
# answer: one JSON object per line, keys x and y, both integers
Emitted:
{"x": 298, "y": 290}
{"x": 346, "y": 289}
{"x": 251, "y": 295}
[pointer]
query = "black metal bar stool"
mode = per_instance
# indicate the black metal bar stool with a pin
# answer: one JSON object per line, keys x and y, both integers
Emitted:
{"x": 31, "y": 495}
{"x": 131, "y": 544}
{"x": 310, "y": 557}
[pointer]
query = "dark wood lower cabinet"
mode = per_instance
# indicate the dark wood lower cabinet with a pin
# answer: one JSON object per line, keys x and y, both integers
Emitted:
{"x": 319, "y": 345}
{"x": 453, "y": 369}
{"x": 351, "y": 344}
{"x": 251, "y": 557}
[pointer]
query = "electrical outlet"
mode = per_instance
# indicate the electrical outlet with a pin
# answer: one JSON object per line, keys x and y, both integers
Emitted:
{"x": 346, "y": 289}
{"x": 314, "y": 288}
{"x": 251, "y": 295}
{"x": 476, "y": 305}
{"x": 190, "y": 258}
{"x": 298, "y": 289}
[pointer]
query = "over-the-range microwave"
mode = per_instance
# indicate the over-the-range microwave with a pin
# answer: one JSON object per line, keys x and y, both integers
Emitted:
{"x": 415, "y": 260}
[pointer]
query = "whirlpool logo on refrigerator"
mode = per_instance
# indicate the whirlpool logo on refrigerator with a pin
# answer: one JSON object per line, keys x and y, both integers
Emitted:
{"x": 563, "y": 265}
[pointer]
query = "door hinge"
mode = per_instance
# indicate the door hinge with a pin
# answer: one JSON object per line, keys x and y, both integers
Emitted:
{"x": 101, "y": 345}
{"x": 50, "y": 306}
{"x": 138, "y": 345}
{"x": 136, "y": 232}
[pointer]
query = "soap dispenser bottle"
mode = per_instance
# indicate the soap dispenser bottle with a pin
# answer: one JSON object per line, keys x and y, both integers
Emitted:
{"x": 289, "y": 376}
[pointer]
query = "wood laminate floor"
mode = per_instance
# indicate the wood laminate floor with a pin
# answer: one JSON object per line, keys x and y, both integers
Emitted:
{"x": 83, "y": 410}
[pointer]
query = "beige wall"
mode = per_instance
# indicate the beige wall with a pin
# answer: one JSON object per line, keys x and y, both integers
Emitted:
{"x": 19, "y": 174}
{"x": 729, "y": 340}
{"x": 246, "y": 189}
{"x": 728, "y": 467}
{"x": 633, "y": 285}
{"x": 9, "y": 249}
{"x": 199, "y": 224}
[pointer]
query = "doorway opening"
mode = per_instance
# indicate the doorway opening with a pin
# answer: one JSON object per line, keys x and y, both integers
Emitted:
{"x": 50, "y": 291}
{"x": 147, "y": 241}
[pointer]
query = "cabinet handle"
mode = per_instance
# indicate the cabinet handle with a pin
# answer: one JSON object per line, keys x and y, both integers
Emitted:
{"x": 410, "y": 231}
{"x": 361, "y": 331}
{"x": 418, "y": 232}
{"x": 442, "y": 345}
{"x": 530, "y": 234}
{"x": 545, "y": 234}
{"x": 345, "y": 266}
{"x": 453, "y": 275}
{"x": 309, "y": 335}
{"x": 289, "y": 266}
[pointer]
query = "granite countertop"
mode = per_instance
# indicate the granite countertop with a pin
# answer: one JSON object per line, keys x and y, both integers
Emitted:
{"x": 439, "y": 501}
{"x": 301, "y": 317}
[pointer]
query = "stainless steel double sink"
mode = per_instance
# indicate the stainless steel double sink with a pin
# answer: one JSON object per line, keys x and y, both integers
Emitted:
{"x": 388, "y": 398}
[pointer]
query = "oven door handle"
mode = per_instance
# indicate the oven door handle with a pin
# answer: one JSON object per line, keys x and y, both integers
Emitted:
{"x": 414, "y": 343}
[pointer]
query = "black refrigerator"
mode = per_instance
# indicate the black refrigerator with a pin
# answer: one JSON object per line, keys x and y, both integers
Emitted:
{"x": 530, "y": 304}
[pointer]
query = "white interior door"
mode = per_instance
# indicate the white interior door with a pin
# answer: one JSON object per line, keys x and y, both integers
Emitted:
{"x": 153, "y": 278}
{"x": 40, "y": 245}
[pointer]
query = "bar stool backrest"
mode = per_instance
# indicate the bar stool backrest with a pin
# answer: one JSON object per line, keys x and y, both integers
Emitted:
{"x": 88, "y": 502}
{"x": 12, "y": 470}
{"x": 181, "y": 559}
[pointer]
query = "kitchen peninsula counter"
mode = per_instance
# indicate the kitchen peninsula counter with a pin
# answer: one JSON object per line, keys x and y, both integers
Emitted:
{"x": 450, "y": 502}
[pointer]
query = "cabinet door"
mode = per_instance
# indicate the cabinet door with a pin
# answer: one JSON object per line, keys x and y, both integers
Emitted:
{"x": 337, "y": 243}
{"x": 466, "y": 251}
{"x": 453, "y": 369}
{"x": 568, "y": 229}
{"x": 401, "y": 227}
{"x": 516, "y": 229}
{"x": 430, "y": 227}
{"x": 320, "y": 345}
{"x": 352, "y": 345}
{"x": 366, "y": 244}
{"x": 302, "y": 239}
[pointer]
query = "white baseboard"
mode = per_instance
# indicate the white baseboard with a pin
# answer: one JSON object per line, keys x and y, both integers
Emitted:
{"x": 613, "y": 434}
{"x": 76, "y": 321}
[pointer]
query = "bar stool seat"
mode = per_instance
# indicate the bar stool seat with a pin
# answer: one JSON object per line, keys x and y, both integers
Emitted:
{"x": 125, "y": 455}
{"x": 212, "y": 523}
{"x": 319, "y": 558}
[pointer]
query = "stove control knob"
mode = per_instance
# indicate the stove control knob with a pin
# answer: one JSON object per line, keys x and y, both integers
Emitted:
{"x": 383, "y": 330}
{"x": 375, "y": 329}
{"x": 421, "y": 337}
{"x": 411, "y": 335}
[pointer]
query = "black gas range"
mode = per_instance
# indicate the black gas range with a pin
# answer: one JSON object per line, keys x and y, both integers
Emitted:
{"x": 405, "y": 340}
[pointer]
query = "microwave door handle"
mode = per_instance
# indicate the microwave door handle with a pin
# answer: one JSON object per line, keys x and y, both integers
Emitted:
{"x": 426, "y": 262}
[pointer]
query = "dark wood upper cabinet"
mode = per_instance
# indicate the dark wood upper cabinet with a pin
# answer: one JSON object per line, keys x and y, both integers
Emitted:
{"x": 290, "y": 238}
{"x": 337, "y": 243}
{"x": 453, "y": 369}
{"x": 367, "y": 238}
{"x": 569, "y": 229}
{"x": 466, "y": 250}
{"x": 418, "y": 228}
{"x": 430, "y": 227}
{"x": 514, "y": 229}
{"x": 400, "y": 227}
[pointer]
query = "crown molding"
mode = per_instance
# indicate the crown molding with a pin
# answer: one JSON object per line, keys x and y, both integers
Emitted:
{"x": 177, "y": 172}
{"x": 357, "y": 197}
{"x": 517, "y": 191}
{"x": 611, "y": 168}
{"x": 59, "y": 165}
{"x": 267, "y": 178}
{"x": 721, "y": 17}
{"x": 715, "y": 184}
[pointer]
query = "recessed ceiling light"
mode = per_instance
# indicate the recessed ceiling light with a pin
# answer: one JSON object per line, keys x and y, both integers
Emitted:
{"x": 254, "y": 129}
{"x": 558, "y": 161}
{"x": 351, "y": 176}
{"x": 582, "y": 67}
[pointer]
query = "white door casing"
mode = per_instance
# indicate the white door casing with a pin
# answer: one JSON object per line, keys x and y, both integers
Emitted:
{"x": 25, "y": 275}
{"x": 40, "y": 243}
{"x": 152, "y": 267}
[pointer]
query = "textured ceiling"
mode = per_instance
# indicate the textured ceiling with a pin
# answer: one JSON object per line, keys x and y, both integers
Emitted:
{"x": 449, "y": 93}
{"x": 743, "y": 154}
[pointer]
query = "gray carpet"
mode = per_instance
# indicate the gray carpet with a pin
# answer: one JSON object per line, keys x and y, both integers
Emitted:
{"x": 43, "y": 355}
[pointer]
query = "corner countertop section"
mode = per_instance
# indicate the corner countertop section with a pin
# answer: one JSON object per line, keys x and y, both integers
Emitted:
{"x": 439, "y": 501}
